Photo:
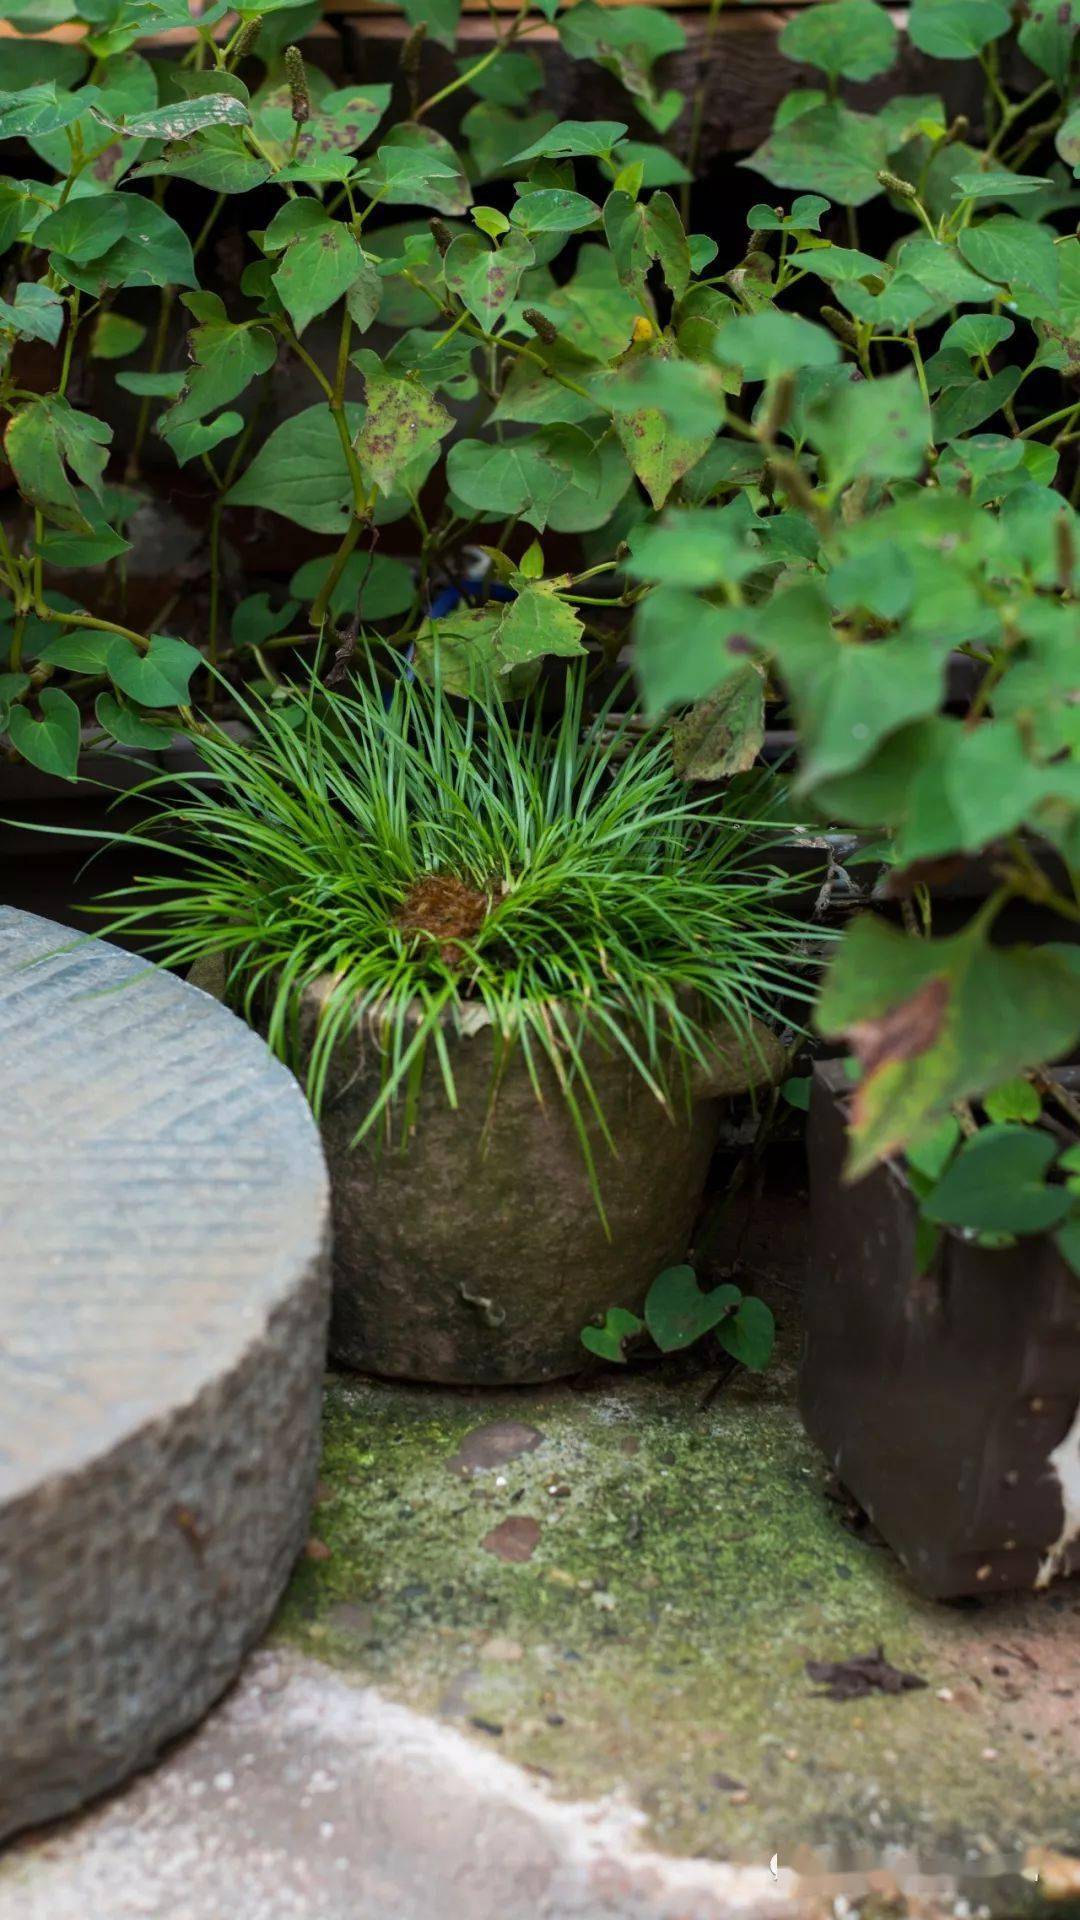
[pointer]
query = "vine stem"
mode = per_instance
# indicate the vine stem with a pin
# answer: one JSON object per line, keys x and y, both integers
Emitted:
{"x": 697, "y": 118}
{"x": 505, "y": 40}
{"x": 90, "y": 620}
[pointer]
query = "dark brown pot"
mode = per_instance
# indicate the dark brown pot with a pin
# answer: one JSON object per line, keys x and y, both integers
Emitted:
{"x": 948, "y": 1403}
{"x": 477, "y": 1255}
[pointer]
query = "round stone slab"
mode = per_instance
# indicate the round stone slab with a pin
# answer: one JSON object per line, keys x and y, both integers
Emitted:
{"x": 164, "y": 1231}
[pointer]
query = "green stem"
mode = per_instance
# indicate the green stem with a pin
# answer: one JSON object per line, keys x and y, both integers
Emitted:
{"x": 1049, "y": 420}
{"x": 480, "y": 66}
{"x": 157, "y": 355}
{"x": 81, "y": 619}
{"x": 697, "y": 117}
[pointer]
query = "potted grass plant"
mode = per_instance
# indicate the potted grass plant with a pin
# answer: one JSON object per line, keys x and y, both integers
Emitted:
{"x": 516, "y": 964}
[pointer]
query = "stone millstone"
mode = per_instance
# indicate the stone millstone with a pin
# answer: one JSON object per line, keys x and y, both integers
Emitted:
{"x": 164, "y": 1250}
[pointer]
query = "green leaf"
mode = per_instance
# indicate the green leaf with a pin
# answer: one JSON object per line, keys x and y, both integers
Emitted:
{"x": 160, "y": 677}
{"x": 374, "y": 586}
{"x": 769, "y": 343}
{"x": 956, "y": 29}
{"x": 40, "y": 109}
{"x": 677, "y": 1312}
{"x": 572, "y": 137}
{"x": 750, "y": 1334}
{"x": 684, "y": 646}
{"x": 996, "y": 1184}
{"x": 694, "y": 549}
{"x": 415, "y": 166}
{"x": 45, "y": 441}
{"x": 667, "y": 240}
{"x": 155, "y": 386}
{"x": 1014, "y": 1099}
{"x": 115, "y": 336}
{"x": 79, "y": 651}
{"x": 1047, "y": 32}
{"x": 880, "y": 428}
{"x": 11, "y": 686}
{"x": 83, "y": 229}
{"x": 510, "y": 81}
{"x": 36, "y": 313}
{"x": 929, "y": 1153}
{"x": 936, "y": 1021}
{"x": 796, "y": 1092}
{"x": 191, "y": 439}
{"x": 609, "y": 1340}
{"x": 830, "y": 149}
{"x": 939, "y": 268}
{"x": 486, "y": 279}
{"x": 440, "y": 17}
{"x": 554, "y": 210}
{"x": 404, "y": 423}
{"x": 301, "y": 472}
{"x": 535, "y": 624}
{"x": 226, "y": 358}
{"x": 124, "y": 84}
{"x": 127, "y": 725}
{"x": 1013, "y": 252}
{"x": 977, "y": 334}
{"x": 849, "y": 39}
{"x": 512, "y": 477}
{"x": 848, "y": 695}
{"x": 805, "y": 216}
{"x": 316, "y": 270}
{"x": 627, "y": 45}
{"x": 254, "y": 619}
{"x": 50, "y": 743}
{"x": 153, "y": 252}
{"x": 997, "y": 183}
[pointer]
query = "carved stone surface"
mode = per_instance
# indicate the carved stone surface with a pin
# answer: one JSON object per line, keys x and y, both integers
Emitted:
{"x": 163, "y": 1302}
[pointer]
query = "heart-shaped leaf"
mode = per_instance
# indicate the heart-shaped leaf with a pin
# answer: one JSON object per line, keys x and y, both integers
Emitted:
{"x": 52, "y": 742}
{"x": 748, "y": 1335}
{"x": 677, "y": 1312}
{"x": 607, "y": 1341}
{"x": 157, "y": 678}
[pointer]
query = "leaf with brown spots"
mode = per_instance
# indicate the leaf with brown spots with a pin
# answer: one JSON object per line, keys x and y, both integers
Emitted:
{"x": 936, "y": 1021}
{"x": 514, "y": 1539}
{"x": 403, "y": 425}
{"x": 486, "y": 278}
{"x": 316, "y": 270}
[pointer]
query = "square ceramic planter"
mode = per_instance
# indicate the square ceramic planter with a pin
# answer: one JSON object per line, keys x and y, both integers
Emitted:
{"x": 948, "y": 1403}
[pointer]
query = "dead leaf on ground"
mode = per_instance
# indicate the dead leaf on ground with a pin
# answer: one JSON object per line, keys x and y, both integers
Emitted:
{"x": 513, "y": 1539}
{"x": 1058, "y": 1873}
{"x": 863, "y": 1674}
{"x": 493, "y": 1445}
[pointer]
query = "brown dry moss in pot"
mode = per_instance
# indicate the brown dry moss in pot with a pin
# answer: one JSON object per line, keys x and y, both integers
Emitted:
{"x": 474, "y": 1252}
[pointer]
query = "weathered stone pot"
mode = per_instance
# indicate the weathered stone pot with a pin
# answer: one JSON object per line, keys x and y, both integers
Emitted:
{"x": 477, "y": 1255}
{"x": 949, "y": 1402}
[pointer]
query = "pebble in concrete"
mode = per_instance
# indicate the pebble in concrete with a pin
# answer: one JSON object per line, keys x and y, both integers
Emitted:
{"x": 163, "y": 1225}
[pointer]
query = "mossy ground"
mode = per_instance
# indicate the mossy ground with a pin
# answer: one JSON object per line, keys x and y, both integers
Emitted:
{"x": 688, "y": 1565}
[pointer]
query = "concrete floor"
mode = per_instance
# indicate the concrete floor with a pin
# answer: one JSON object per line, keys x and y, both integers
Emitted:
{"x": 545, "y": 1659}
